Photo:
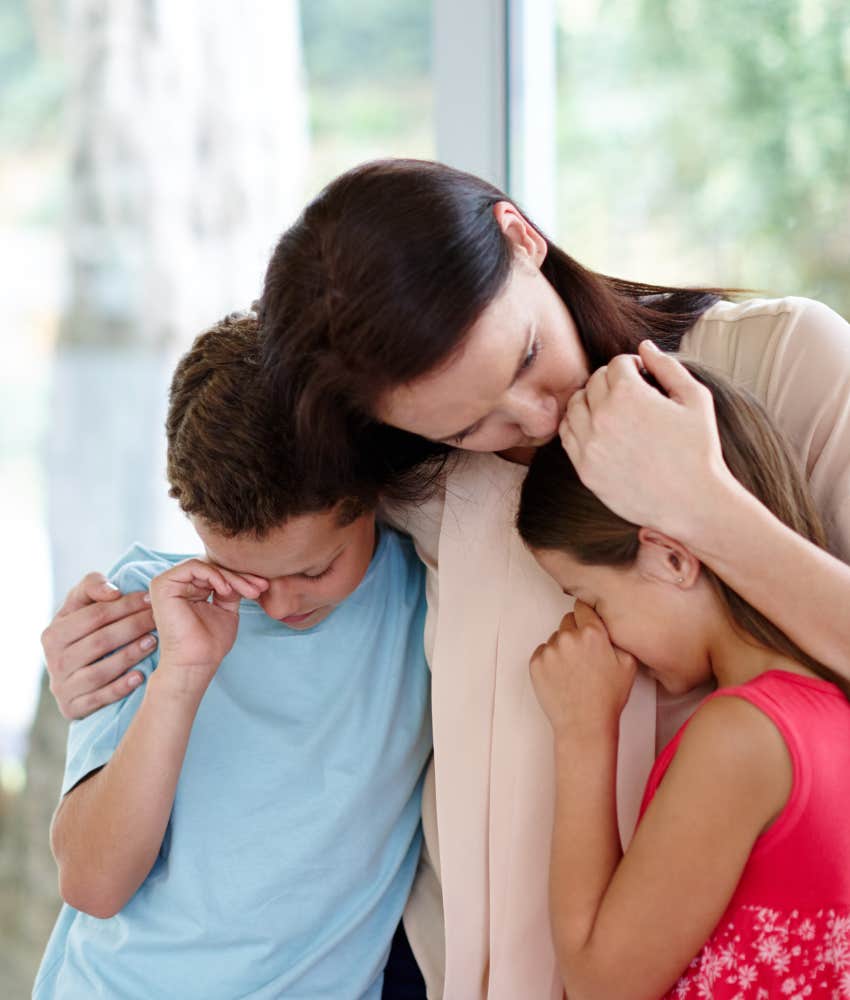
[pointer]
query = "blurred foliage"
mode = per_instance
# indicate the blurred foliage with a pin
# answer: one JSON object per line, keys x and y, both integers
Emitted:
{"x": 31, "y": 76}
{"x": 368, "y": 41}
{"x": 710, "y": 141}
{"x": 368, "y": 82}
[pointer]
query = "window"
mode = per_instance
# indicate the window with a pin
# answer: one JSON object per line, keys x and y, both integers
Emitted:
{"x": 706, "y": 142}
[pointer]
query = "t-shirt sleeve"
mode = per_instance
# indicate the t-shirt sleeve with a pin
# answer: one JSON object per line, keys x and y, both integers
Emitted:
{"x": 93, "y": 740}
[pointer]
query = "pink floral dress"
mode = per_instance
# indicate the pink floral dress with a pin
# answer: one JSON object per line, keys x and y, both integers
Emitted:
{"x": 786, "y": 931}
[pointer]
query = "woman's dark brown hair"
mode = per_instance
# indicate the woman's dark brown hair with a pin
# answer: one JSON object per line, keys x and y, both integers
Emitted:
{"x": 381, "y": 278}
{"x": 231, "y": 455}
{"x": 558, "y": 512}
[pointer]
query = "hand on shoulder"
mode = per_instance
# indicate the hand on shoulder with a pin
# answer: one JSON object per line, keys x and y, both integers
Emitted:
{"x": 93, "y": 641}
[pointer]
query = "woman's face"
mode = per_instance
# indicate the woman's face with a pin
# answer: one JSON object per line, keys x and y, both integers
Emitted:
{"x": 508, "y": 385}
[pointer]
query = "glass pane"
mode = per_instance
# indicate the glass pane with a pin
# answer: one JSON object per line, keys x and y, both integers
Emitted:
{"x": 368, "y": 82}
{"x": 706, "y": 142}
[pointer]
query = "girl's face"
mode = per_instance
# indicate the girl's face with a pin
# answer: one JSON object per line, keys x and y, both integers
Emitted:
{"x": 509, "y": 384}
{"x": 646, "y": 614}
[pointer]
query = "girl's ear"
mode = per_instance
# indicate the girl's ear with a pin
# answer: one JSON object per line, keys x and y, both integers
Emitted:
{"x": 663, "y": 559}
{"x": 528, "y": 243}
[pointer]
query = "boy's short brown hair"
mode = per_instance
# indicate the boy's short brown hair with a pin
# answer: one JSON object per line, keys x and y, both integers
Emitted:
{"x": 232, "y": 457}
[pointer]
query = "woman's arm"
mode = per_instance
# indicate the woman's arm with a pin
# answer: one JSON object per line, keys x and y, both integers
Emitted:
{"x": 657, "y": 461}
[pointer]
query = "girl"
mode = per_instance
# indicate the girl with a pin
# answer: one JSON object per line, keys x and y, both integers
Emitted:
{"x": 421, "y": 302}
{"x": 755, "y": 784}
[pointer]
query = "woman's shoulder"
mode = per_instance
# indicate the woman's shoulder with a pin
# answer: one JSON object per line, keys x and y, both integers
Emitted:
{"x": 761, "y": 334}
{"x": 793, "y": 354}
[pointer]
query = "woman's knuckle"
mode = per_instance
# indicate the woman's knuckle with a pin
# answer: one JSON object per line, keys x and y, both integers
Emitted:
{"x": 59, "y": 665}
{"x": 99, "y": 615}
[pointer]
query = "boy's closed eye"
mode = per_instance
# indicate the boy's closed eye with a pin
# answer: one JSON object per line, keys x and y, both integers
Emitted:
{"x": 318, "y": 576}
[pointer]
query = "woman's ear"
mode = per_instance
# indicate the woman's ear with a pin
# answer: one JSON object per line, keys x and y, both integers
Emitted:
{"x": 663, "y": 559}
{"x": 528, "y": 243}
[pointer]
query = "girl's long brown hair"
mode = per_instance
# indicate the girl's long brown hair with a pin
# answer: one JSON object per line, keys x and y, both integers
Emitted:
{"x": 382, "y": 276}
{"x": 557, "y": 511}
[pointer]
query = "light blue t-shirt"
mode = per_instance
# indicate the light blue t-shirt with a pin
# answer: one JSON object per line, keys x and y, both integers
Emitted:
{"x": 295, "y": 830}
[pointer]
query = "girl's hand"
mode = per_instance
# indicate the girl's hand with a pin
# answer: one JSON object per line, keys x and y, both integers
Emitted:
{"x": 196, "y": 605}
{"x": 581, "y": 679}
{"x": 654, "y": 460}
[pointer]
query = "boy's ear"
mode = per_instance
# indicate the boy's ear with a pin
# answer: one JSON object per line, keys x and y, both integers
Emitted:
{"x": 663, "y": 559}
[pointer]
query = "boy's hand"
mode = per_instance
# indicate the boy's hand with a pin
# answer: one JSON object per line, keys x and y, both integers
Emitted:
{"x": 196, "y": 633}
{"x": 581, "y": 679}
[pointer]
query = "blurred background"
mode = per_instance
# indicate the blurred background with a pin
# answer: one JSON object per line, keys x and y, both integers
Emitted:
{"x": 152, "y": 152}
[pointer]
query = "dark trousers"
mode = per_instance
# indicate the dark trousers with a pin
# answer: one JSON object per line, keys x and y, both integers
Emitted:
{"x": 402, "y": 978}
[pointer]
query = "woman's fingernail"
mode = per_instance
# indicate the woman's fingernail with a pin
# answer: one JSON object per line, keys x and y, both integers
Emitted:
{"x": 652, "y": 346}
{"x": 148, "y": 642}
{"x": 147, "y": 598}
{"x": 134, "y": 680}
{"x": 109, "y": 586}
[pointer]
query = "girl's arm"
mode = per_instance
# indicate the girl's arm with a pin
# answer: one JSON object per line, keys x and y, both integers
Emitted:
{"x": 657, "y": 461}
{"x": 108, "y": 830}
{"x": 627, "y": 927}
{"x": 632, "y": 939}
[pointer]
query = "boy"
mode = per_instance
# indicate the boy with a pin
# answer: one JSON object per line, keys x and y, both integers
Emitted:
{"x": 246, "y": 824}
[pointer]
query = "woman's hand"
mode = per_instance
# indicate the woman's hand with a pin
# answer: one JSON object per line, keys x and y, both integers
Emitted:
{"x": 581, "y": 679}
{"x": 94, "y": 639}
{"x": 655, "y": 460}
{"x": 197, "y": 612}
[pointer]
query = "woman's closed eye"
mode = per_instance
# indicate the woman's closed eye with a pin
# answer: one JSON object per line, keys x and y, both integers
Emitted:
{"x": 531, "y": 356}
{"x": 458, "y": 438}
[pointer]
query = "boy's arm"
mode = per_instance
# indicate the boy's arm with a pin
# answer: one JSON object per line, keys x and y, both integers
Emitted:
{"x": 108, "y": 830}
{"x": 625, "y": 928}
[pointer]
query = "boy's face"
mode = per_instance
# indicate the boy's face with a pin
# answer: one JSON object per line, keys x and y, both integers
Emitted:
{"x": 312, "y": 563}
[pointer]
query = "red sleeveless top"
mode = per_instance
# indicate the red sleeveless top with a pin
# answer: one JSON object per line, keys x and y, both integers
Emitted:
{"x": 786, "y": 931}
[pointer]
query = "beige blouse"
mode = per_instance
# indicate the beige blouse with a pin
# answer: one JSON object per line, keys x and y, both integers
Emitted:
{"x": 489, "y": 797}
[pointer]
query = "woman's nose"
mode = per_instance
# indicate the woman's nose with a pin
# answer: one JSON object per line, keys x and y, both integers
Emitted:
{"x": 536, "y": 416}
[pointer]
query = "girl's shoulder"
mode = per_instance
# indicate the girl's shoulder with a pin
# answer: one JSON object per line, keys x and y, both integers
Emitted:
{"x": 741, "y": 742}
{"x": 765, "y": 716}
{"x": 757, "y": 736}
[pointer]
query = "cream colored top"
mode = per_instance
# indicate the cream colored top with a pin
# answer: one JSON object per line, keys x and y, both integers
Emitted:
{"x": 489, "y": 798}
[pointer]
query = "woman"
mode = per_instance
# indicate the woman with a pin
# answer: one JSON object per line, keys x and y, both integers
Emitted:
{"x": 420, "y": 298}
